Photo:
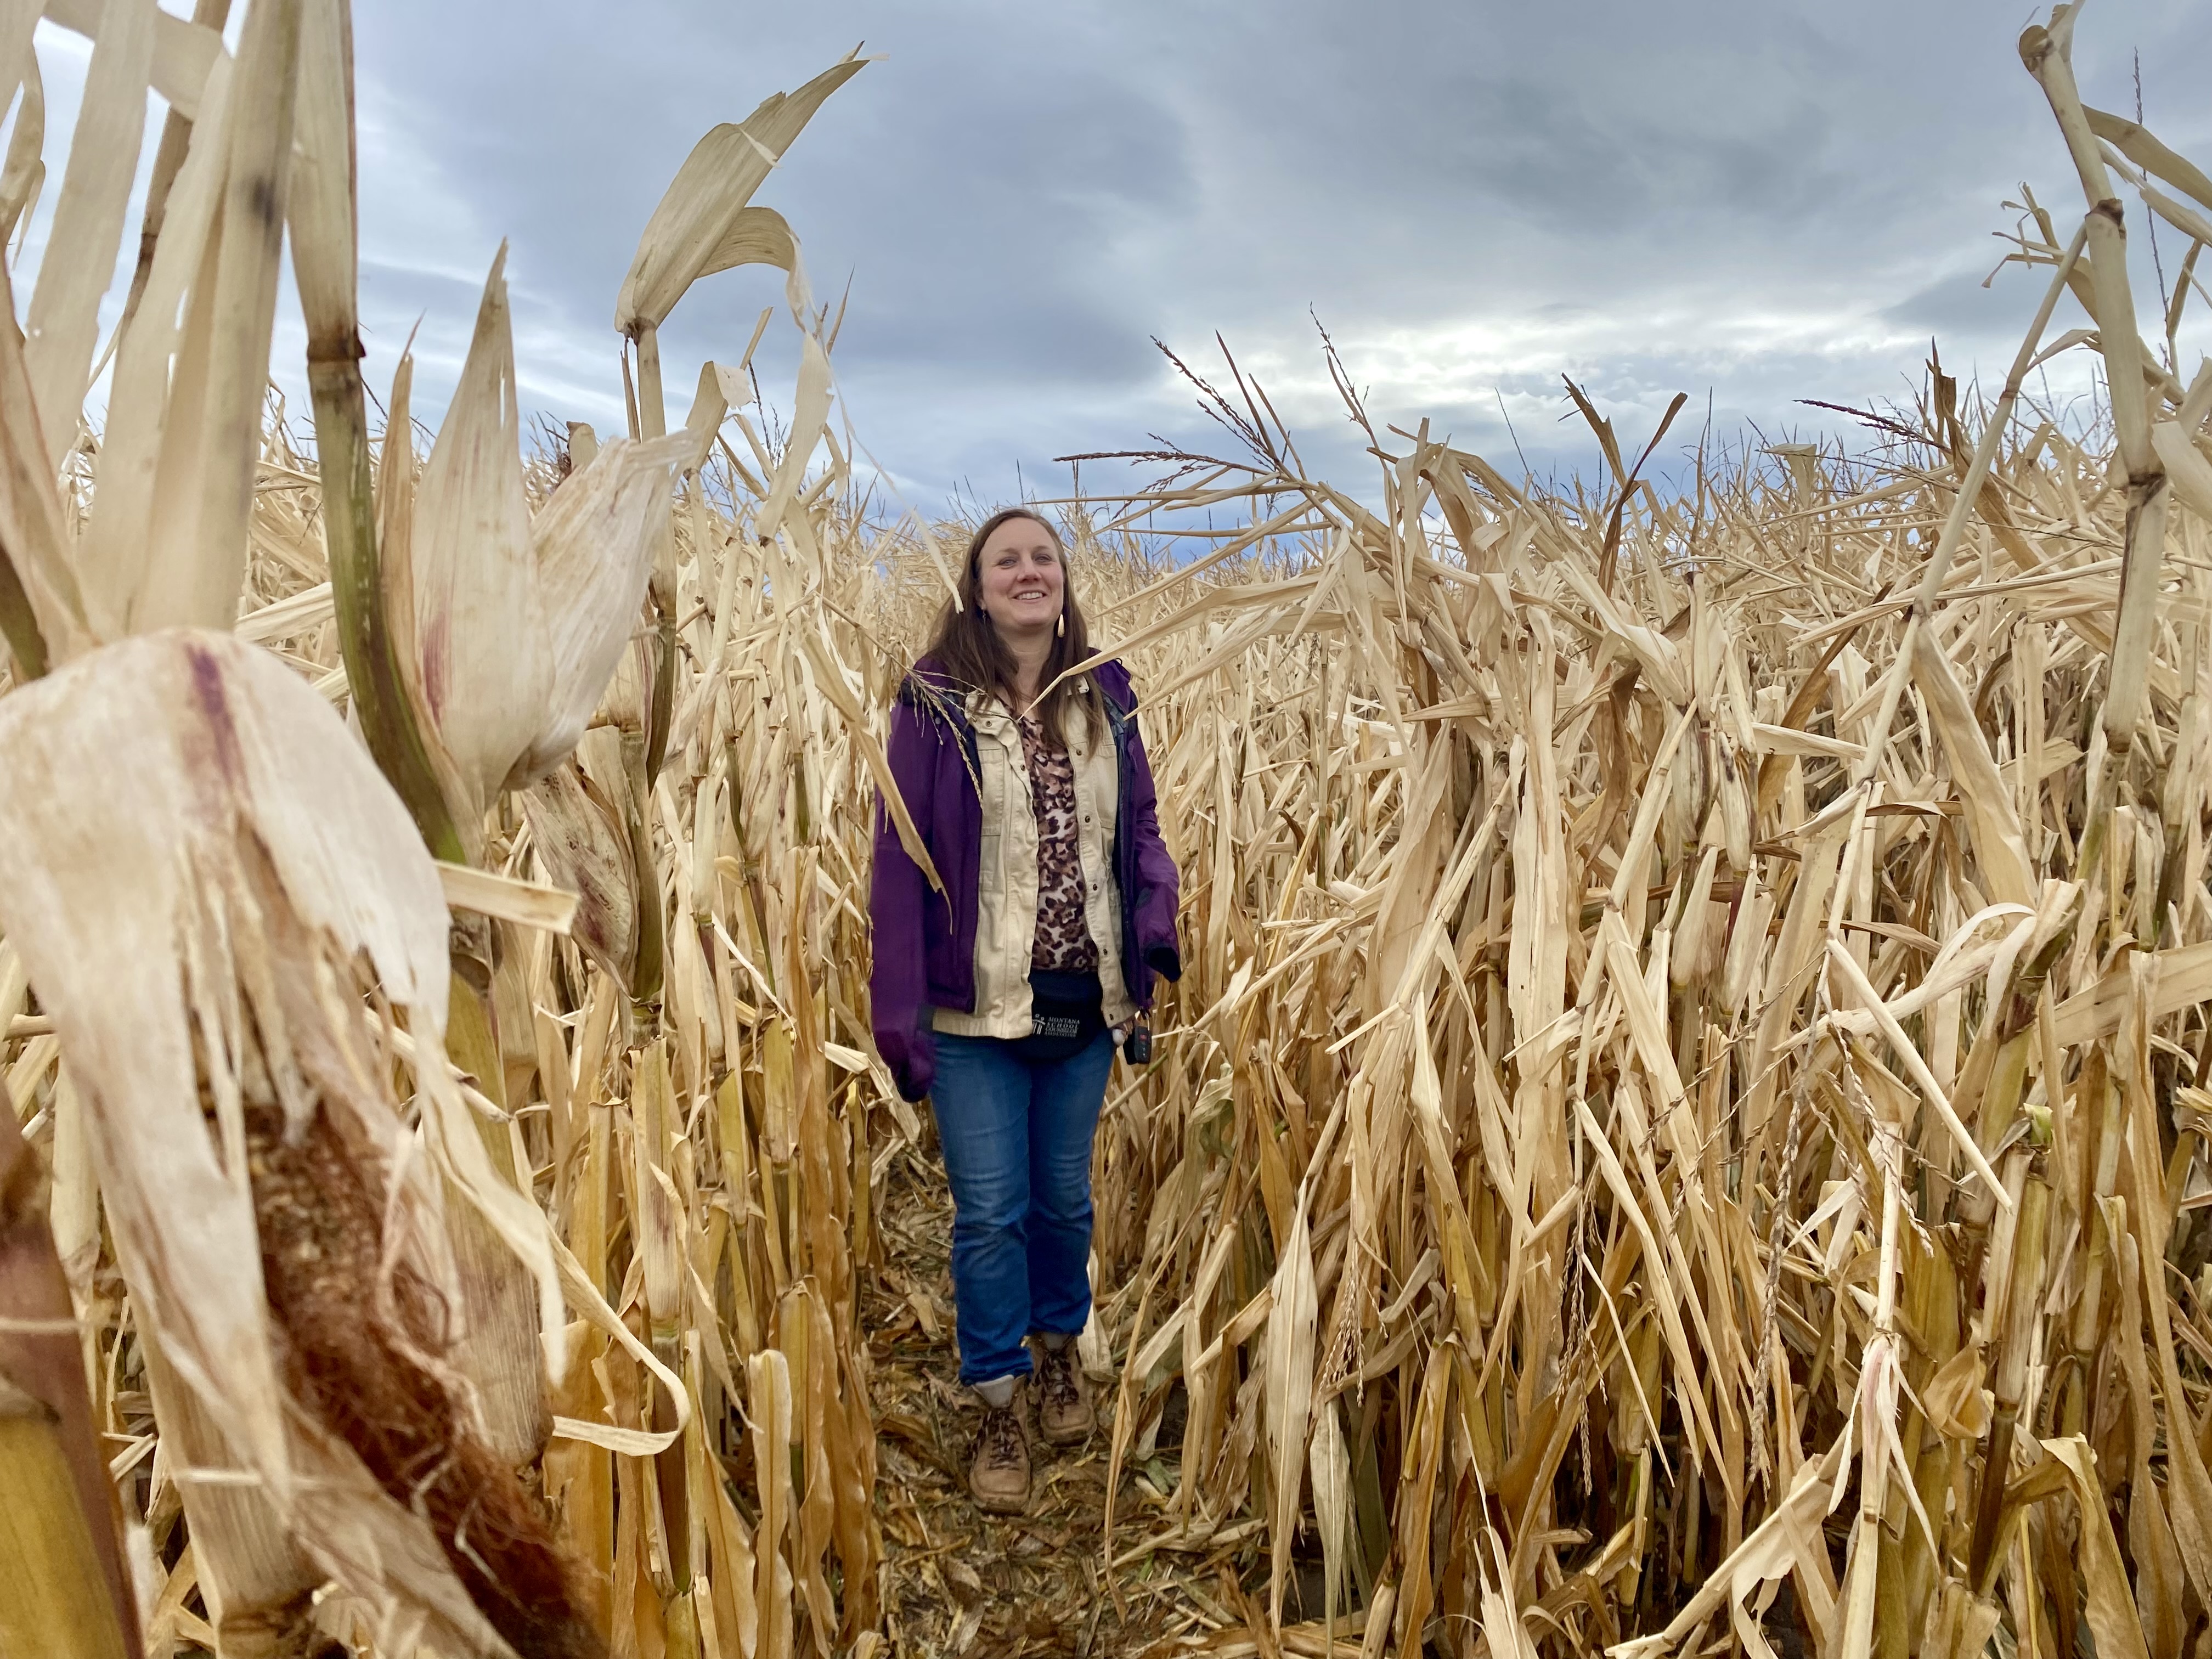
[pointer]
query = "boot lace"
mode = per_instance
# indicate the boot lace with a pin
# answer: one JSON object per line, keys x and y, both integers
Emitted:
{"x": 999, "y": 1439}
{"x": 1056, "y": 1377}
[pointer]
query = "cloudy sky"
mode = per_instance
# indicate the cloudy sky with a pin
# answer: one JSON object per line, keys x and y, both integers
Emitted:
{"x": 1747, "y": 201}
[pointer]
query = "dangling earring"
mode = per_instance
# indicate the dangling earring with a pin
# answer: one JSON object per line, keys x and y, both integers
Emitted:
{"x": 1060, "y": 626}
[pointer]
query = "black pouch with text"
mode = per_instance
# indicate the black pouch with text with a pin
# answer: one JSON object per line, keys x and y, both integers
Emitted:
{"x": 1067, "y": 1012}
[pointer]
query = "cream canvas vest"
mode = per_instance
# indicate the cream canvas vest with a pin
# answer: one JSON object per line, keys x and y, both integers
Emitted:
{"x": 1006, "y": 897}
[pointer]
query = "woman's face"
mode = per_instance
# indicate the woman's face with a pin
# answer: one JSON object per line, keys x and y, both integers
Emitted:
{"x": 1019, "y": 575}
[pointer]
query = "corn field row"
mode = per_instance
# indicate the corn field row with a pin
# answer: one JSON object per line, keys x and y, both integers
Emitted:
{"x": 1687, "y": 1123}
{"x": 1683, "y": 1127}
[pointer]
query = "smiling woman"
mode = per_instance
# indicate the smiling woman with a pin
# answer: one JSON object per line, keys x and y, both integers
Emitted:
{"x": 1020, "y": 628}
{"x": 1020, "y": 574}
{"x": 1004, "y": 995}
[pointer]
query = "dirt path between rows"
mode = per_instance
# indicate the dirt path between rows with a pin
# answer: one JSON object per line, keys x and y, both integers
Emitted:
{"x": 963, "y": 1582}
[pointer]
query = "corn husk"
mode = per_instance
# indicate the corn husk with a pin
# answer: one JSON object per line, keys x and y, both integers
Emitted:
{"x": 177, "y": 988}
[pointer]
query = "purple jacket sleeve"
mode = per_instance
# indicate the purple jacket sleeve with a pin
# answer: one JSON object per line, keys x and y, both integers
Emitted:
{"x": 1160, "y": 886}
{"x": 896, "y": 897}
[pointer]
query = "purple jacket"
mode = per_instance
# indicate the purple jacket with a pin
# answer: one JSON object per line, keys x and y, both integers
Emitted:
{"x": 924, "y": 941}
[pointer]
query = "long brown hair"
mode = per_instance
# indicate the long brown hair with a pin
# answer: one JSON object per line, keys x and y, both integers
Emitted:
{"x": 968, "y": 647}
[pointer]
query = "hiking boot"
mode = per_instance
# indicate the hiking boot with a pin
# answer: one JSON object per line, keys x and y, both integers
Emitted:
{"x": 1064, "y": 1413}
{"x": 999, "y": 1462}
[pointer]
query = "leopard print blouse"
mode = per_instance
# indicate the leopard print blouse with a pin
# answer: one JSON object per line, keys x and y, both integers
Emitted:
{"x": 1062, "y": 944}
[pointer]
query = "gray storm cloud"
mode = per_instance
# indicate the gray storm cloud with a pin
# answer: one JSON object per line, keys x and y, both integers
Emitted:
{"x": 1756, "y": 202}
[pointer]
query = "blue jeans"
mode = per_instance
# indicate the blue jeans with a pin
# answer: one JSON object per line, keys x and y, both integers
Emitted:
{"x": 1017, "y": 1138}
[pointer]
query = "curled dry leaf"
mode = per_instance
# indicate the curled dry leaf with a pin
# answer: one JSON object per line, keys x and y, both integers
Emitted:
{"x": 518, "y": 623}
{"x": 1956, "y": 1402}
{"x": 594, "y": 546}
{"x": 700, "y": 225}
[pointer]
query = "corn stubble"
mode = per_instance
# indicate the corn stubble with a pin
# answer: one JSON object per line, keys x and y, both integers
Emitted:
{"x": 1683, "y": 1127}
